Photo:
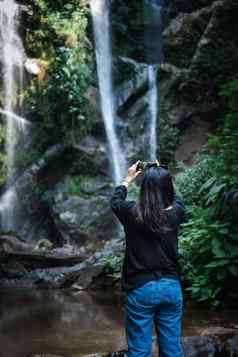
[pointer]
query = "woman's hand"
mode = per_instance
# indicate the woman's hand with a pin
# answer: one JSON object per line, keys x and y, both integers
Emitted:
{"x": 131, "y": 174}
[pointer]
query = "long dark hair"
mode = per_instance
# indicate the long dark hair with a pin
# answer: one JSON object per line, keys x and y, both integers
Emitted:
{"x": 156, "y": 194}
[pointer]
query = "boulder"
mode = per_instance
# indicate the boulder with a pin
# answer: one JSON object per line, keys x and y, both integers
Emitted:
{"x": 35, "y": 185}
{"x": 31, "y": 186}
{"x": 193, "y": 346}
{"x": 191, "y": 44}
{"x": 83, "y": 220}
{"x": 87, "y": 278}
{"x": 90, "y": 157}
{"x": 230, "y": 348}
{"x": 181, "y": 37}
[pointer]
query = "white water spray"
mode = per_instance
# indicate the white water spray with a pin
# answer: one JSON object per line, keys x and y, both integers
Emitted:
{"x": 153, "y": 109}
{"x": 20, "y": 120}
{"x": 153, "y": 45}
{"x": 12, "y": 56}
{"x": 102, "y": 36}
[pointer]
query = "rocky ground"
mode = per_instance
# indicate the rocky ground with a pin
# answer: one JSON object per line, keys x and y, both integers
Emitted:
{"x": 27, "y": 266}
{"x": 220, "y": 343}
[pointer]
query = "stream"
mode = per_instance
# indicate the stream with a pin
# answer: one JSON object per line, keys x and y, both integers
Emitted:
{"x": 73, "y": 324}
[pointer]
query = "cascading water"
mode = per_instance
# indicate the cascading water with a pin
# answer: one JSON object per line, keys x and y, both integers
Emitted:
{"x": 102, "y": 36}
{"x": 153, "y": 108}
{"x": 153, "y": 46}
{"x": 12, "y": 56}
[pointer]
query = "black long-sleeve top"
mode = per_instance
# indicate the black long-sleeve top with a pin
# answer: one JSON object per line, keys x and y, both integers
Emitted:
{"x": 148, "y": 255}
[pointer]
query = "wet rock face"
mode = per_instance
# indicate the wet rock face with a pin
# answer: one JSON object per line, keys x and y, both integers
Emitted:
{"x": 181, "y": 37}
{"x": 32, "y": 185}
{"x": 230, "y": 347}
{"x": 36, "y": 187}
{"x": 132, "y": 108}
{"x": 200, "y": 54}
{"x": 177, "y": 6}
{"x": 86, "y": 218}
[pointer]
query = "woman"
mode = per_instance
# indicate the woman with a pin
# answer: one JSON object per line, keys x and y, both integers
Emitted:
{"x": 150, "y": 274}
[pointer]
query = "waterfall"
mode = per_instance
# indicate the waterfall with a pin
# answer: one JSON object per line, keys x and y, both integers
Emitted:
{"x": 153, "y": 110}
{"x": 153, "y": 47}
{"x": 102, "y": 37}
{"x": 12, "y": 56}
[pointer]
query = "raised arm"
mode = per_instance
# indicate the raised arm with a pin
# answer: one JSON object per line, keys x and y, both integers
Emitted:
{"x": 118, "y": 202}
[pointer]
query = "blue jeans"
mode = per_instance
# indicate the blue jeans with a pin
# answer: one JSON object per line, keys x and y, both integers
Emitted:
{"x": 160, "y": 301}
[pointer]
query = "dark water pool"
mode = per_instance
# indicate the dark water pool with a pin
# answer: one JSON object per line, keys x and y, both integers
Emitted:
{"x": 74, "y": 324}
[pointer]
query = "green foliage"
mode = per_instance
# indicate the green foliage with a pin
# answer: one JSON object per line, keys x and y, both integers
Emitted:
{"x": 192, "y": 183}
{"x": 127, "y": 26}
{"x": 209, "y": 253}
{"x": 74, "y": 185}
{"x": 230, "y": 89}
{"x": 58, "y": 99}
{"x": 225, "y": 146}
{"x": 77, "y": 185}
{"x": 86, "y": 185}
{"x": 113, "y": 265}
{"x": 209, "y": 239}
